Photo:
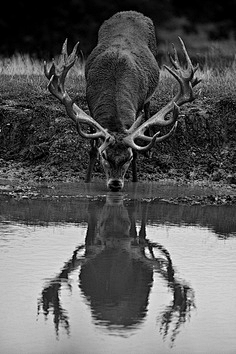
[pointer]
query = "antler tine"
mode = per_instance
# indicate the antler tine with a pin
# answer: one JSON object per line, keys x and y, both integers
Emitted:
{"x": 65, "y": 59}
{"x": 154, "y": 139}
{"x": 185, "y": 77}
{"x": 65, "y": 63}
{"x": 57, "y": 75}
{"x": 73, "y": 56}
{"x": 188, "y": 60}
{"x": 135, "y": 125}
{"x": 186, "y": 80}
{"x": 196, "y": 80}
{"x": 129, "y": 140}
{"x": 179, "y": 73}
{"x": 58, "y": 71}
{"x": 139, "y": 133}
{"x": 173, "y": 72}
{"x": 174, "y": 59}
{"x": 64, "y": 53}
{"x": 192, "y": 69}
{"x": 79, "y": 116}
{"x": 48, "y": 72}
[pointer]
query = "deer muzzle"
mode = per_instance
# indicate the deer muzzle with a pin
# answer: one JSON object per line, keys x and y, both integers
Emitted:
{"x": 115, "y": 184}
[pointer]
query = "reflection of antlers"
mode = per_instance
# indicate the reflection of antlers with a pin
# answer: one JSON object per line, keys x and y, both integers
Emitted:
{"x": 141, "y": 251}
{"x": 50, "y": 299}
{"x": 183, "y": 296}
{"x": 50, "y": 294}
{"x": 178, "y": 312}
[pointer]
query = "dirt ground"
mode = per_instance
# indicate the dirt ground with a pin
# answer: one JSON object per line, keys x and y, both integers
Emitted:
{"x": 39, "y": 144}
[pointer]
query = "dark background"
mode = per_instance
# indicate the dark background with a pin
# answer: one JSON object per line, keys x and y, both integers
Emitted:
{"x": 40, "y": 27}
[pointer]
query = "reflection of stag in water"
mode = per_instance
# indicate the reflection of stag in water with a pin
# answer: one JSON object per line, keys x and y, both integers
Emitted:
{"x": 116, "y": 273}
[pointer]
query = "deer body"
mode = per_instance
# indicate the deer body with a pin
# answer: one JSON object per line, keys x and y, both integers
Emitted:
{"x": 122, "y": 74}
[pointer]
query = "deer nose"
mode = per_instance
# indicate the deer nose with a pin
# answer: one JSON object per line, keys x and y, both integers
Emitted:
{"x": 115, "y": 185}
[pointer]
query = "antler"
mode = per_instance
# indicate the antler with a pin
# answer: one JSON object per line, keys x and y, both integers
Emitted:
{"x": 187, "y": 81}
{"x": 56, "y": 76}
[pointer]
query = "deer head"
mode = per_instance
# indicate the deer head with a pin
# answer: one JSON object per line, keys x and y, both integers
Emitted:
{"x": 116, "y": 150}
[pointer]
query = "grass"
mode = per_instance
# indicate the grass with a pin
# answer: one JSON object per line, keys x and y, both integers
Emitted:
{"x": 25, "y": 70}
{"x": 217, "y": 67}
{"x": 20, "y": 64}
{"x": 24, "y": 64}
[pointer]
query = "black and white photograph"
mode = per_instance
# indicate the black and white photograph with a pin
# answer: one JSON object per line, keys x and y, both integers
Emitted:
{"x": 118, "y": 177}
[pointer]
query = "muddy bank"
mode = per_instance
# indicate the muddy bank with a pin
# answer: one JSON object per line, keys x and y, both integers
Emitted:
{"x": 19, "y": 183}
{"x": 39, "y": 143}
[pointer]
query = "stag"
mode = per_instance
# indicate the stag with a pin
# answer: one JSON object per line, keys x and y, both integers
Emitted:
{"x": 122, "y": 75}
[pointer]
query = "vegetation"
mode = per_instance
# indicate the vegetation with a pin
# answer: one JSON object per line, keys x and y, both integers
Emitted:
{"x": 43, "y": 34}
{"x": 36, "y": 134}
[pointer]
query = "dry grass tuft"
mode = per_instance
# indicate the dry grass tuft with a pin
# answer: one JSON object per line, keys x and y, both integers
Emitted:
{"x": 23, "y": 64}
{"x": 217, "y": 70}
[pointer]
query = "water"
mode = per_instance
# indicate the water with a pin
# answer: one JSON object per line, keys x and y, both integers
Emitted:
{"x": 91, "y": 272}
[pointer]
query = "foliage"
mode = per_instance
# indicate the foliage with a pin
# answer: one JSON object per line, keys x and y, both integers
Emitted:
{"x": 22, "y": 31}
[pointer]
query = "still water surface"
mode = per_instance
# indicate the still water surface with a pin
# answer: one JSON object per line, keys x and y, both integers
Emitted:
{"x": 114, "y": 273}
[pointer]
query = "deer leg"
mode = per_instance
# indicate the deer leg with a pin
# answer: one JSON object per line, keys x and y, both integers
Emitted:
{"x": 134, "y": 166}
{"x": 142, "y": 231}
{"x": 92, "y": 223}
{"x": 93, "y": 154}
{"x": 133, "y": 218}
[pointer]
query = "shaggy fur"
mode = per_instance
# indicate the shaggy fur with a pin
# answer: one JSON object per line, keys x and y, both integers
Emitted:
{"x": 122, "y": 72}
